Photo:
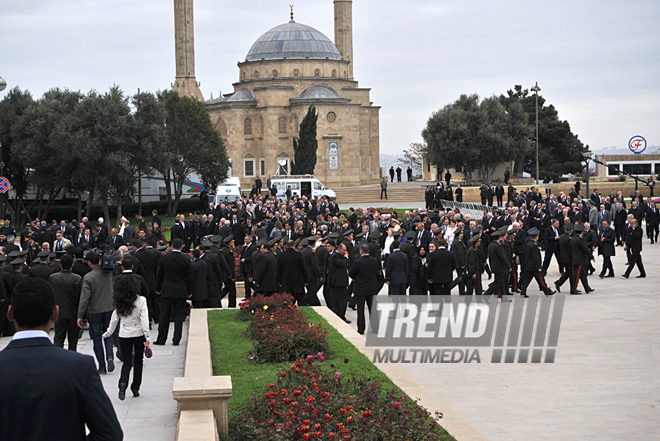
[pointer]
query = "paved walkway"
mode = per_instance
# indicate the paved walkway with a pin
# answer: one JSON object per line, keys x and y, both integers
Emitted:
{"x": 604, "y": 384}
{"x": 153, "y": 415}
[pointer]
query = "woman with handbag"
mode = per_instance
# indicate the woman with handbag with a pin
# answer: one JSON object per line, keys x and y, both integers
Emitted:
{"x": 132, "y": 309}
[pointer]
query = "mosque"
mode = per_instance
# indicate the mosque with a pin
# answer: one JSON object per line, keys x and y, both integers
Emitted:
{"x": 287, "y": 69}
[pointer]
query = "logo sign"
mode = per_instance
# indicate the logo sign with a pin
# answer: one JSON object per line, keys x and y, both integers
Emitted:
{"x": 333, "y": 155}
{"x": 637, "y": 144}
{"x": 520, "y": 330}
{"x": 4, "y": 185}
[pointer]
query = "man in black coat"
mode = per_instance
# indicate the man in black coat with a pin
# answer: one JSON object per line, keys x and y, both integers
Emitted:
{"x": 174, "y": 286}
{"x": 652, "y": 221}
{"x": 60, "y": 390}
{"x": 606, "y": 249}
{"x": 634, "y": 243}
{"x": 227, "y": 255}
{"x": 265, "y": 272}
{"x": 149, "y": 258}
{"x": 313, "y": 272}
{"x": 499, "y": 264}
{"x": 565, "y": 257}
{"x": 474, "y": 266}
{"x": 67, "y": 287}
{"x": 580, "y": 257}
{"x": 338, "y": 280}
{"x": 218, "y": 271}
{"x": 292, "y": 273}
{"x": 441, "y": 264}
{"x": 199, "y": 280}
{"x": 499, "y": 194}
{"x": 459, "y": 251}
{"x": 365, "y": 272}
{"x": 532, "y": 266}
{"x": 396, "y": 271}
{"x": 246, "y": 264}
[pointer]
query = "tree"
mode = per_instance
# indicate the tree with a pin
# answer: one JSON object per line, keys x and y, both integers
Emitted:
{"x": 412, "y": 157}
{"x": 305, "y": 147}
{"x": 12, "y": 107}
{"x": 191, "y": 145}
{"x": 468, "y": 134}
{"x": 560, "y": 150}
{"x": 149, "y": 127}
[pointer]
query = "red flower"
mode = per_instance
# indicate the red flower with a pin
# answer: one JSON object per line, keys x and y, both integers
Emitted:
{"x": 310, "y": 399}
{"x": 306, "y": 436}
{"x": 331, "y": 435}
{"x": 283, "y": 392}
{"x": 318, "y": 434}
{"x": 342, "y": 411}
{"x": 325, "y": 394}
{"x": 349, "y": 419}
{"x": 317, "y": 426}
{"x": 271, "y": 385}
{"x": 283, "y": 374}
{"x": 347, "y": 437}
{"x": 297, "y": 393}
{"x": 327, "y": 417}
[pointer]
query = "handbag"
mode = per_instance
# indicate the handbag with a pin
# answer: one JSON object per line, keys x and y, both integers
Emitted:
{"x": 148, "y": 352}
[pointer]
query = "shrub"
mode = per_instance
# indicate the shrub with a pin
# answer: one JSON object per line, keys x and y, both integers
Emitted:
{"x": 270, "y": 304}
{"x": 308, "y": 402}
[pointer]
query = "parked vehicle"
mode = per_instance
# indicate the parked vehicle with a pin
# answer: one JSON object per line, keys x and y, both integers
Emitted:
{"x": 302, "y": 185}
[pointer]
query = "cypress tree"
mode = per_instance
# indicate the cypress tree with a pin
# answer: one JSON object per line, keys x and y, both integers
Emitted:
{"x": 304, "y": 148}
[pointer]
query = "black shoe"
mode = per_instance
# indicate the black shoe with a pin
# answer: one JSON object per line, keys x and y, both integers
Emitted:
{"x": 159, "y": 343}
{"x": 624, "y": 276}
{"x": 361, "y": 332}
{"x": 524, "y": 296}
{"x": 102, "y": 371}
{"x": 557, "y": 286}
{"x": 601, "y": 276}
{"x": 175, "y": 343}
{"x": 136, "y": 393}
{"x": 610, "y": 275}
{"x": 111, "y": 365}
{"x": 122, "y": 391}
{"x": 550, "y": 293}
{"x": 640, "y": 276}
{"x": 347, "y": 320}
{"x": 576, "y": 293}
{"x": 590, "y": 290}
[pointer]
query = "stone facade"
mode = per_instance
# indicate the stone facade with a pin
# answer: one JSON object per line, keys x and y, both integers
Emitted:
{"x": 278, "y": 82}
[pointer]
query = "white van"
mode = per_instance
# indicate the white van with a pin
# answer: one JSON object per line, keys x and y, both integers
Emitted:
{"x": 302, "y": 185}
{"x": 230, "y": 189}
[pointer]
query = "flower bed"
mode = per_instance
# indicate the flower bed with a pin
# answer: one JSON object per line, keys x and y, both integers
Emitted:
{"x": 279, "y": 330}
{"x": 313, "y": 401}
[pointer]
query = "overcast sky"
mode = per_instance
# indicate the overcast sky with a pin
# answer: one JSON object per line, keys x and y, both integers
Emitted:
{"x": 598, "y": 62}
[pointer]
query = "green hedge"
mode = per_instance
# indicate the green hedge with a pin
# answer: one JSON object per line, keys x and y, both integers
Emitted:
{"x": 70, "y": 211}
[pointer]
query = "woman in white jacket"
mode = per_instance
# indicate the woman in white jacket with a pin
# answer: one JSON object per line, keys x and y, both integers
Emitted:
{"x": 131, "y": 308}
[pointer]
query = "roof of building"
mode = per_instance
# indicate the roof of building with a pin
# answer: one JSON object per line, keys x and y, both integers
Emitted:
{"x": 242, "y": 95}
{"x": 219, "y": 99}
{"x": 293, "y": 40}
{"x": 318, "y": 91}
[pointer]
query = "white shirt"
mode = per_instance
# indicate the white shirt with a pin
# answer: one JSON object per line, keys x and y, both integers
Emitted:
{"x": 134, "y": 325}
{"x": 30, "y": 334}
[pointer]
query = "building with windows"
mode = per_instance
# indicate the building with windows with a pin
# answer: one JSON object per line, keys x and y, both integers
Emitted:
{"x": 644, "y": 165}
{"x": 287, "y": 69}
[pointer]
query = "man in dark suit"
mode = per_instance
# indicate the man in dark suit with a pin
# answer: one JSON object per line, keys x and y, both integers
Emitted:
{"x": 149, "y": 258}
{"x": 365, "y": 272}
{"x": 60, "y": 390}
{"x": 581, "y": 255}
{"x": 246, "y": 264}
{"x": 292, "y": 273}
{"x": 265, "y": 272}
{"x": 606, "y": 249}
{"x": 565, "y": 256}
{"x": 174, "y": 286}
{"x": 499, "y": 264}
{"x": 396, "y": 271}
{"x": 422, "y": 237}
{"x": 337, "y": 280}
{"x": 441, "y": 265}
{"x": 634, "y": 243}
{"x": 199, "y": 280}
{"x": 652, "y": 221}
{"x": 114, "y": 241}
{"x": 551, "y": 246}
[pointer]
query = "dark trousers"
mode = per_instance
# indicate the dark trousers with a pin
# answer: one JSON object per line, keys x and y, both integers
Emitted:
{"x": 460, "y": 281}
{"x": 636, "y": 259}
{"x": 230, "y": 288}
{"x": 153, "y": 303}
{"x": 66, "y": 328}
{"x": 497, "y": 287}
{"x": 98, "y": 323}
{"x": 176, "y": 310}
{"x": 548, "y": 258}
{"x": 441, "y": 289}
{"x": 311, "y": 297}
{"x": 248, "y": 286}
{"x": 133, "y": 350}
{"x": 383, "y": 191}
{"x": 474, "y": 285}
{"x": 652, "y": 232}
{"x": 200, "y": 304}
{"x": 338, "y": 297}
{"x": 419, "y": 290}
{"x": 568, "y": 274}
{"x": 607, "y": 265}
{"x": 397, "y": 290}
{"x": 580, "y": 275}
{"x": 361, "y": 322}
{"x": 214, "y": 296}
{"x": 538, "y": 275}
{"x": 6, "y": 327}
{"x": 300, "y": 298}
{"x": 499, "y": 200}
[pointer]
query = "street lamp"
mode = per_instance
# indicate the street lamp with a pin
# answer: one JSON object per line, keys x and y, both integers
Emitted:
{"x": 536, "y": 89}
{"x": 587, "y": 158}
{"x": 3, "y": 86}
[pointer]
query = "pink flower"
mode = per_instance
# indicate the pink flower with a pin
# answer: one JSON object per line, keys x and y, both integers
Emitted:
{"x": 397, "y": 404}
{"x": 337, "y": 375}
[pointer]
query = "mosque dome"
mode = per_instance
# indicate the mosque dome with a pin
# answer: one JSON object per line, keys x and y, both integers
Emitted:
{"x": 293, "y": 41}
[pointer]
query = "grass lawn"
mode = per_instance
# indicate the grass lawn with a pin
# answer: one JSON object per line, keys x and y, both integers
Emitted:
{"x": 229, "y": 349}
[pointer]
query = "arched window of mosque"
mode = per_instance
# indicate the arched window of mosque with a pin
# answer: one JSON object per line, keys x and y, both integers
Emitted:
{"x": 221, "y": 127}
{"x": 274, "y": 73}
{"x": 256, "y": 74}
{"x": 281, "y": 124}
{"x": 334, "y": 73}
{"x": 317, "y": 73}
{"x": 296, "y": 72}
{"x": 247, "y": 126}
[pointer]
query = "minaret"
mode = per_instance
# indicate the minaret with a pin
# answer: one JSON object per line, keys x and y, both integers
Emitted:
{"x": 344, "y": 31}
{"x": 184, "y": 48}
